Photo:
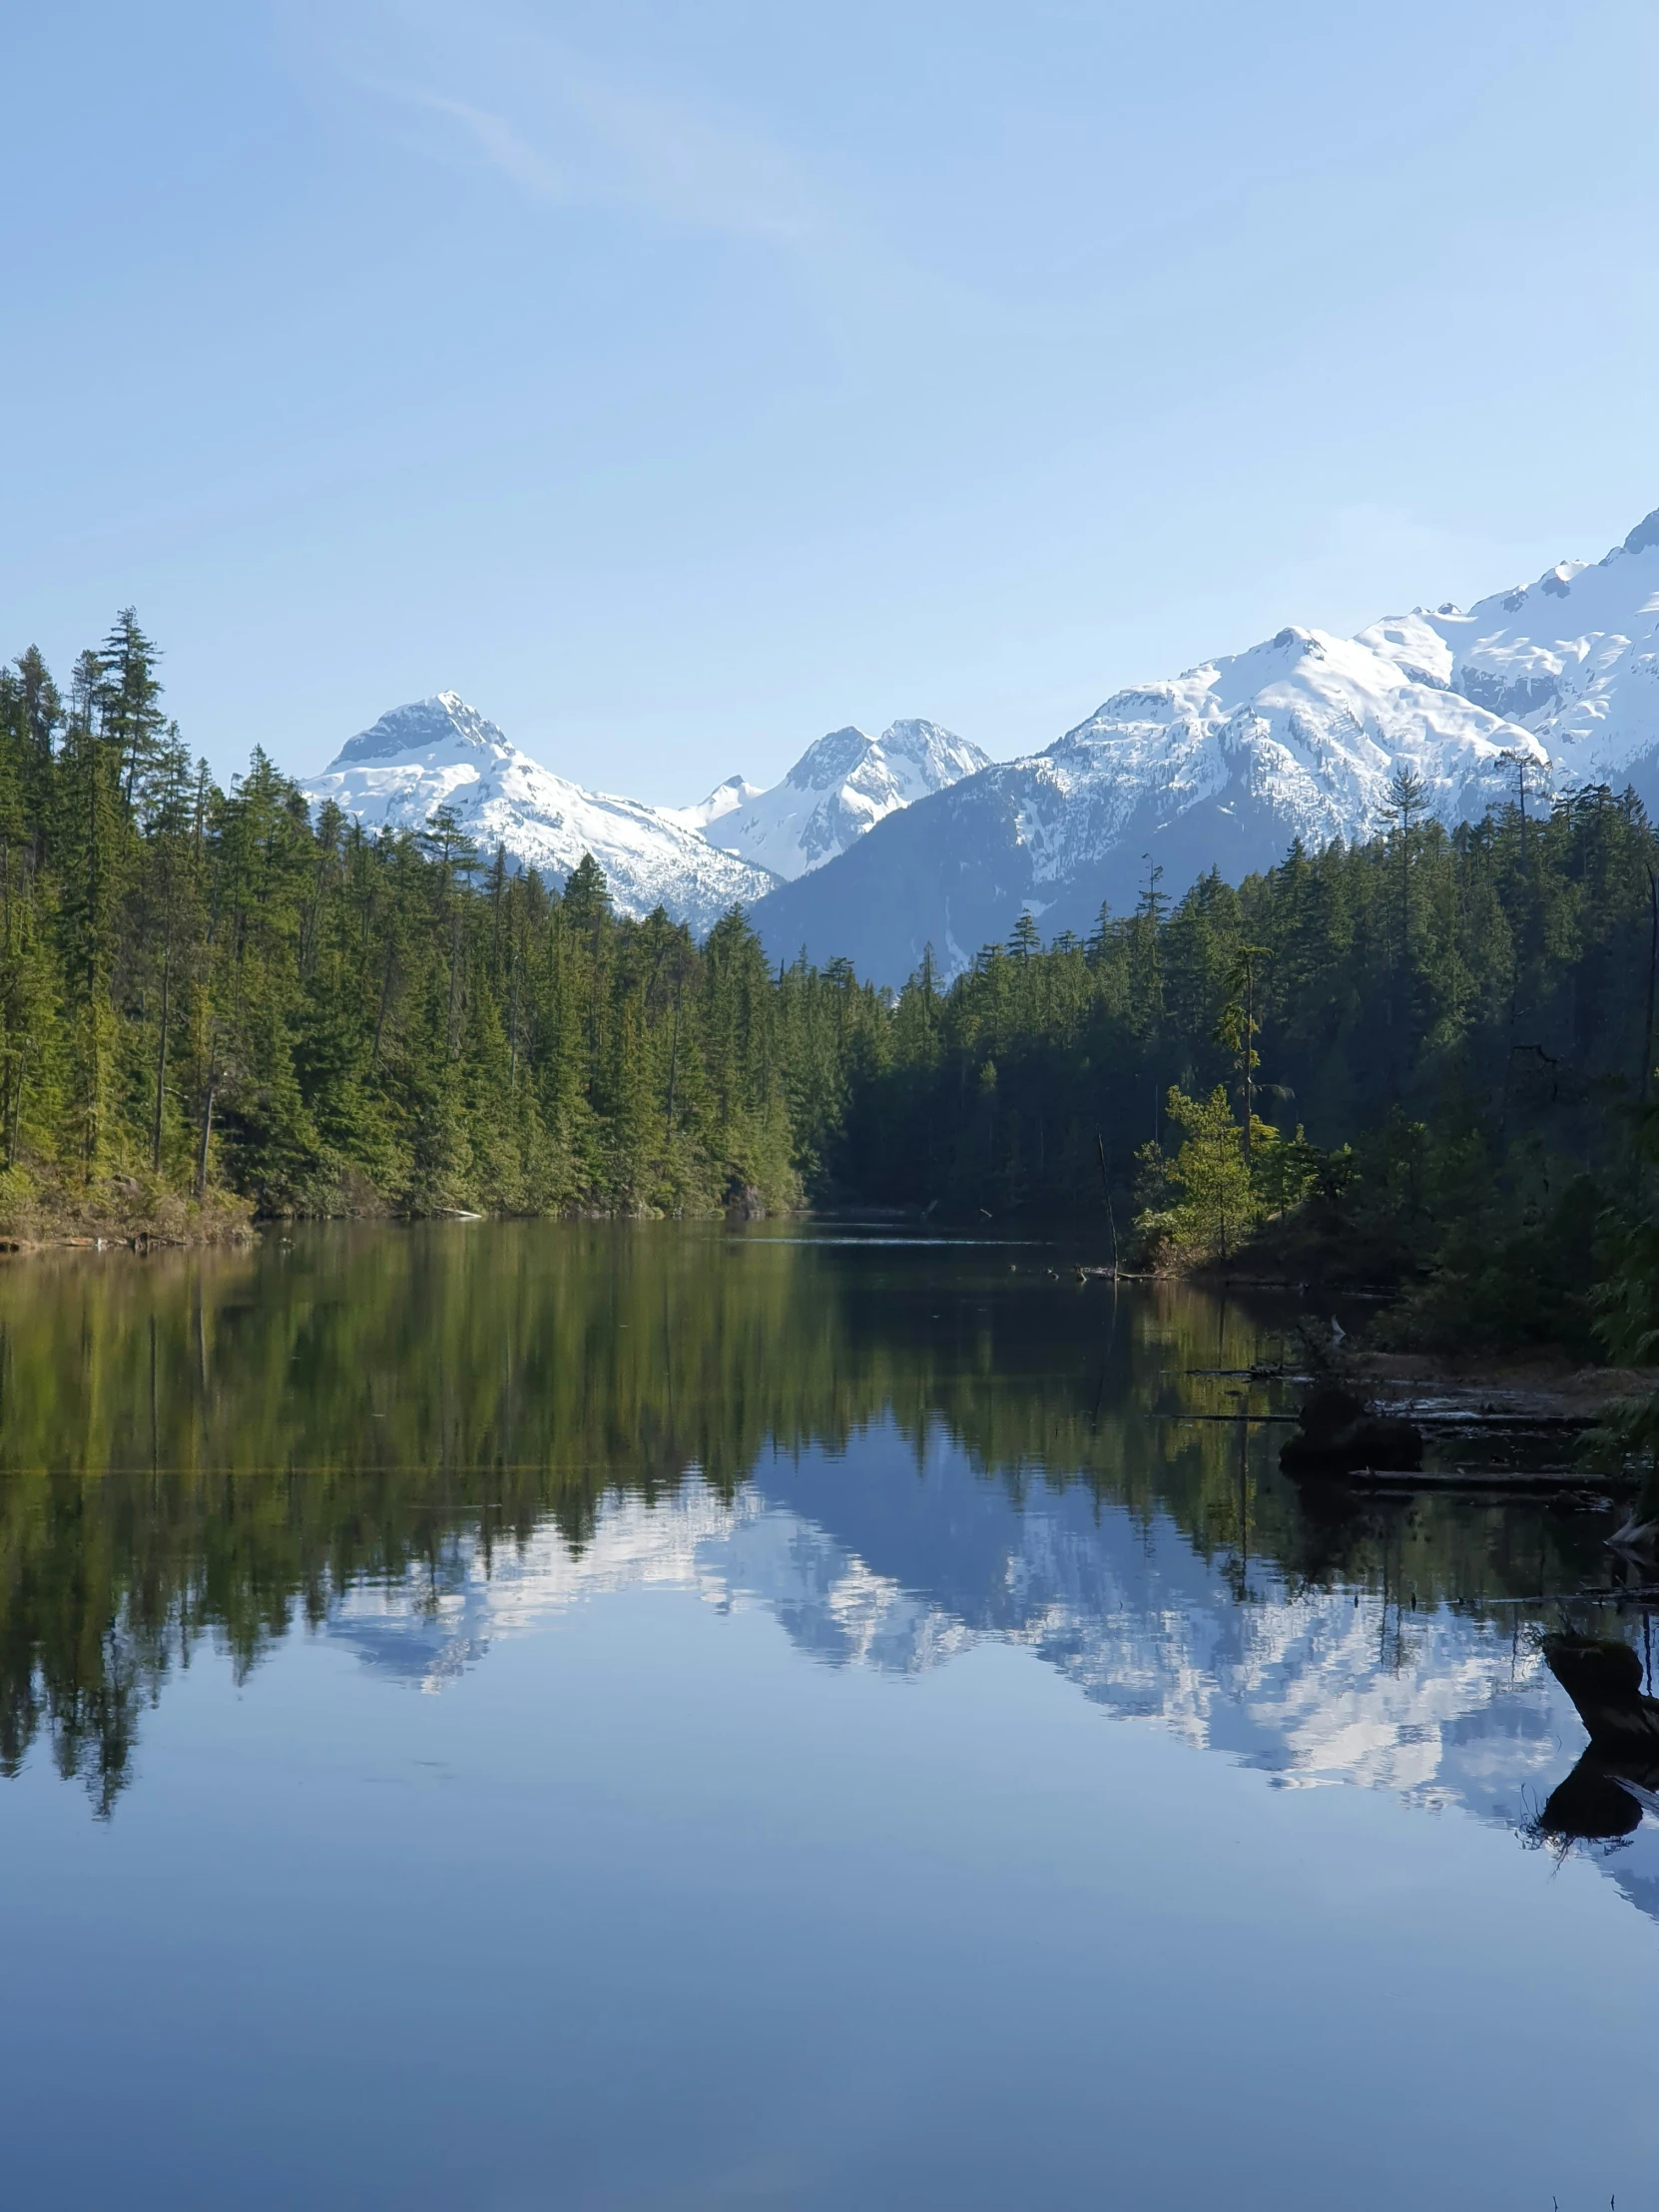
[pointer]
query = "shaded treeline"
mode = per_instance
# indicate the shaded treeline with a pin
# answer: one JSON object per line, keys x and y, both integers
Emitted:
{"x": 1412, "y": 1060}
{"x": 1492, "y": 982}
{"x": 219, "y": 1446}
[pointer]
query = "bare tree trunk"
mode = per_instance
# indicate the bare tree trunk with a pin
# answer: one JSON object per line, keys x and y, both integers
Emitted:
{"x": 207, "y": 1134}
{"x": 380, "y": 1018}
{"x": 672, "y": 1060}
{"x": 161, "y": 1060}
{"x": 512, "y": 1030}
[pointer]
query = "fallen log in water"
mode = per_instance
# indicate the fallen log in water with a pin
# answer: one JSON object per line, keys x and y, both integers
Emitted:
{"x": 1561, "y": 1477}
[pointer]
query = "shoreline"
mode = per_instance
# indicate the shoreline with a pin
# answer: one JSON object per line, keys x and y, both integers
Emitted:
{"x": 149, "y": 1220}
{"x": 1537, "y": 1392}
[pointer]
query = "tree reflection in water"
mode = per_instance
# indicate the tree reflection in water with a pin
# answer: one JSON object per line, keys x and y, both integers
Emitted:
{"x": 224, "y": 1444}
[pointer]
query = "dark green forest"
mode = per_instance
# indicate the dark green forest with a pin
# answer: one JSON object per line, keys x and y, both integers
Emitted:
{"x": 1417, "y": 1060}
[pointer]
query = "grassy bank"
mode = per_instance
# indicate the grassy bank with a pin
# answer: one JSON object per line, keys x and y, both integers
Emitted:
{"x": 40, "y": 1214}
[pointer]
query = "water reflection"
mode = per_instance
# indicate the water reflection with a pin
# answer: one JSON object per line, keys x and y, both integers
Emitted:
{"x": 423, "y": 1441}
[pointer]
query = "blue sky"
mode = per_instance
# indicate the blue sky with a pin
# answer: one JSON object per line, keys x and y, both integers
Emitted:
{"x": 681, "y": 381}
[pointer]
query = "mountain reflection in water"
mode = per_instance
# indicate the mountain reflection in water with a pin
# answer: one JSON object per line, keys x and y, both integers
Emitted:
{"x": 425, "y": 1439}
{"x": 660, "y": 1717}
{"x": 421, "y": 1441}
{"x": 1447, "y": 1709}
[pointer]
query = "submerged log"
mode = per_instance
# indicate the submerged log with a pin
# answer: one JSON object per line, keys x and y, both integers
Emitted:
{"x": 1339, "y": 1433}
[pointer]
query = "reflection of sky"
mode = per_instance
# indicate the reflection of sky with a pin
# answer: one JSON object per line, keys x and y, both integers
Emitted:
{"x": 868, "y": 1559}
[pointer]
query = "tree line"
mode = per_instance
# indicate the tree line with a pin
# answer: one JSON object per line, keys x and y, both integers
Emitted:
{"x": 208, "y": 990}
{"x": 1425, "y": 1047}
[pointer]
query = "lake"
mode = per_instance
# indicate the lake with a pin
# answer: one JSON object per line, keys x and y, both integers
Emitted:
{"x": 563, "y": 1715}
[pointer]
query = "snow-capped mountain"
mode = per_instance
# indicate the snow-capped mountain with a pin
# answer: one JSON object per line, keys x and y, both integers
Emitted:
{"x": 1573, "y": 656}
{"x": 1219, "y": 768}
{"x": 737, "y": 790}
{"x": 441, "y": 752}
{"x": 1223, "y": 766}
{"x": 876, "y": 848}
{"x": 839, "y": 788}
{"x": 697, "y": 862}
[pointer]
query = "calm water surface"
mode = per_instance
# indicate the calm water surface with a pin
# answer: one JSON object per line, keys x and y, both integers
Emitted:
{"x": 555, "y": 1716}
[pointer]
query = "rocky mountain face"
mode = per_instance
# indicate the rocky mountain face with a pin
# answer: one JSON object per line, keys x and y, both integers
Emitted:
{"x": 1223, "y": 766}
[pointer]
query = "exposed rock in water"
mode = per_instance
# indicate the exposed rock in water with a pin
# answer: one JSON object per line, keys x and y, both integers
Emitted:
{"x": 1606, "y": 1794}
{"x": 1592, "y": 1805}
{"x": 1603, "y": 1677}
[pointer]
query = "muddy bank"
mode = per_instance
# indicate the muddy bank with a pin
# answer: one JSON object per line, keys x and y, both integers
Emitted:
{"x": 1533, "y": 1394}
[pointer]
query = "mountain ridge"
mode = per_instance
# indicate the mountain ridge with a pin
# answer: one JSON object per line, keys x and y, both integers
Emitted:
{"x": 874, "y": 849}
{"x": 696, "y": 861}
{"x": 1227, "y": 764}
{"x": 441, "y": 752}
{"x": 840, "y": 789}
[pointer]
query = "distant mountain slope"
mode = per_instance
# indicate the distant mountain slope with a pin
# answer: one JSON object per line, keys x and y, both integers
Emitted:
{"x": 837, "y": 791}
{"x": 441, "y": 752}
{"x": 1221, "y": 768}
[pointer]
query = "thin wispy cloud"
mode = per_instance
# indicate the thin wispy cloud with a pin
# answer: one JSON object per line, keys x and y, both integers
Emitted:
{"x": 568, "y": 129}
{"x": 494, "y": 139}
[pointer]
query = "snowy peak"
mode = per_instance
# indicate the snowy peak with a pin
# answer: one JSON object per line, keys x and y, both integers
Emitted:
{"x": 735, "y": 791}
{"x": 424, "y": 724}
{"x": 1222, "y": 767}
{"x": 1303, "y": 732}
{"x": 697, "y": 862}
{"x": 442, "y": 752}
{"x": 840, "y": 787}
{"x": 909, "y": 759}
{"x": 1573, "y": 656}
{"x": 830, "y": 760}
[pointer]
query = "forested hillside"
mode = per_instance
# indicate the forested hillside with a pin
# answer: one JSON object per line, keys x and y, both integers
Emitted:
{"x": 206, "y": 989}
{"x": 202, "y": 992}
